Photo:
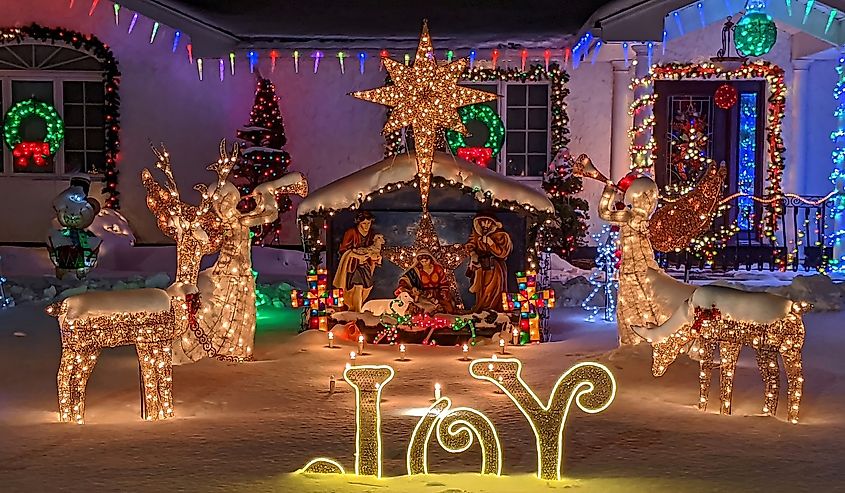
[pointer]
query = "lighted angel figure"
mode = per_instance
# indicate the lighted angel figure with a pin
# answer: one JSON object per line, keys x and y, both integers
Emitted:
{"x": 642, "y": 229}
{"x": 225, "y": 324}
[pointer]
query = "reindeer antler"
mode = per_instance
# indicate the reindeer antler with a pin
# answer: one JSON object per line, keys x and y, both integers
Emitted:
{"x": 224, "y": 165}
{"x": 163, "y": 163}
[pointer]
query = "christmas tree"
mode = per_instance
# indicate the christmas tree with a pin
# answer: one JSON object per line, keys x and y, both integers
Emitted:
{"x": 561, "y": 186}
{"x": 263, "y": 158}
{"x": 603, "y": 278}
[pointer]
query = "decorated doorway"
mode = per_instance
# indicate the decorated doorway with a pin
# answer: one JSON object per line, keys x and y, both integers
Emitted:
{"x": 697, "y": 121}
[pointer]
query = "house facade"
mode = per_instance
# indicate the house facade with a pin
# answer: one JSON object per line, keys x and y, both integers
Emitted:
{"x": 190, "y": 98}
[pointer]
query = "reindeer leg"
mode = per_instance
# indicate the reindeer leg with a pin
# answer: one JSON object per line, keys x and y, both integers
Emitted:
{"x": 156, "y": 361}
{"x": 795, "y": 381}
{"x": 705, "y": 375}
{"x": 729, "y": 353}
{"x": 74, "y": 370}
{"x": 767, "y": 361}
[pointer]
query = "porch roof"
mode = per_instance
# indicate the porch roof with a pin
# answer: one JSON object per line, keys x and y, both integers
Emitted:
{"x": 651, "y": 20}
{"x": 219, "y": 26}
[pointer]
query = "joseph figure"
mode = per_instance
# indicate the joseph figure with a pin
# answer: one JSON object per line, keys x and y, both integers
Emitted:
{"x": 358, "y": 261}
{"x": 489, "y": 246}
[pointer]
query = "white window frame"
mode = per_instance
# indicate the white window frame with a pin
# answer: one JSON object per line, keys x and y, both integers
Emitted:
{"x": 501, "y": 87}
{"x": 57, "y": 77}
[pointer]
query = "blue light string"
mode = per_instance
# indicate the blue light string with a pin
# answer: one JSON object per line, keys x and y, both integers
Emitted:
{"x": 747, "y": 157}
{"x": 603, "y": 277}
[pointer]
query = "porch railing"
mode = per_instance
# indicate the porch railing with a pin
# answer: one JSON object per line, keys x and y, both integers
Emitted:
{"x": 799, "y": 243}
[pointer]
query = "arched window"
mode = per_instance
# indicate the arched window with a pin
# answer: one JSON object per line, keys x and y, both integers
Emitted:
{"x": 73, "y": 74}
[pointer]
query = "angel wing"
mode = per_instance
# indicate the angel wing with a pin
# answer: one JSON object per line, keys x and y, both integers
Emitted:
{"x": 674, "y": 225}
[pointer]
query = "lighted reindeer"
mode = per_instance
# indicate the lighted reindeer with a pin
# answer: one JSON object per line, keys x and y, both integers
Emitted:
{"x": 150, "y": 319}
{"x": 728, "y": 318}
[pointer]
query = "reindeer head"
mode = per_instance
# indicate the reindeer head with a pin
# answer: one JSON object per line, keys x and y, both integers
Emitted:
{"x": 666, "y": 350}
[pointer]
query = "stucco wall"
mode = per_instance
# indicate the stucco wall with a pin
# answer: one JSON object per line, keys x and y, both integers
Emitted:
{"x": 817, "y": 163}
{"x": 162, "y": 100}
{"x": 329, "y": 133}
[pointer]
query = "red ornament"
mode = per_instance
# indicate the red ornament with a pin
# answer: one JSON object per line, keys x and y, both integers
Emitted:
{"x": 26, "y": 152}
{"x": 726, "y": 96}
{"x": 478, "y": 155}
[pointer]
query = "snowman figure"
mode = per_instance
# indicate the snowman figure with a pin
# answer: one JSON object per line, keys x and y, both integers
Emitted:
{"x": 72, "y": 247}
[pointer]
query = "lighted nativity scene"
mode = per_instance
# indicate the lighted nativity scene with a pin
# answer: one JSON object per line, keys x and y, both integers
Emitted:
{"x": 428, "y": 277}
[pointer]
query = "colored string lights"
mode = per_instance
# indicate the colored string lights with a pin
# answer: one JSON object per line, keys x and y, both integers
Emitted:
{"x": 495, "y": 134}
{"x": 25, "y": 109}
{"x": 528, "y": 302}
{"x": 318, "y": 299}
{"x": 111, "y": 104}
{"x": 837, "y": 238}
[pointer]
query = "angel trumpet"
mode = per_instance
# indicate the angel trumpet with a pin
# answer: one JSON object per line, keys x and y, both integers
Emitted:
{"x": 584, "y": 167}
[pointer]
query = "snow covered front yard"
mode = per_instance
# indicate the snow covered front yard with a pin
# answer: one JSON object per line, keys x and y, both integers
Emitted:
{"x": 248, "y": 427}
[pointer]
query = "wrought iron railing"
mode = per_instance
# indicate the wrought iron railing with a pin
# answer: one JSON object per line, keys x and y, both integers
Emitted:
{"x": 799, "y": 243}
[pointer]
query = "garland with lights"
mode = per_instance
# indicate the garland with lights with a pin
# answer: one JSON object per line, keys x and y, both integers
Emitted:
{"x": 540, "y": 224}
{"x": 263, "y": 158}
{"x": 111, "y": 80}
{"x": 837, "y": 177}
{"x": 554, "y": 74}
{"x": 495, "y": 134}
{"x": 644, "y": 156}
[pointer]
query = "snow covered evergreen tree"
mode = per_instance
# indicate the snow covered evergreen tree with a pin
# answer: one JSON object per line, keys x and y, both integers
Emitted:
{"x": 561, "y": 186}
{"x": 262, "y": 157}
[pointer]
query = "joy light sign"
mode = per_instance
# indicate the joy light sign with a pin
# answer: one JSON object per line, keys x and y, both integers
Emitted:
{"x": 590, "y": 385}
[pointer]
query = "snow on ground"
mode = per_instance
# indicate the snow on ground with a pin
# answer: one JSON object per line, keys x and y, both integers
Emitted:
{"x": 248, "y": 427}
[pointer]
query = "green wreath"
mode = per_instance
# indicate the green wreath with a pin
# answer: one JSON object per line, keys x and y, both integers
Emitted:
{"x": 486, "y": 115}
{"x": 31, "y": 107}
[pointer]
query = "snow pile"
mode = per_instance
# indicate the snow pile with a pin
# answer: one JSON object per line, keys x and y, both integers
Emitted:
{"x": 41, "y": 289}
{"x": 276, "y": 295}
{"x": 574, "y": 291}
{"x": 351, "y": 189}
{"x": 117, "y": 239}
{"x": 560, "y": 270}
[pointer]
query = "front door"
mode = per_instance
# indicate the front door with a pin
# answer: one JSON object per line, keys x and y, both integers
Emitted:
{"x": 690, "y": 128}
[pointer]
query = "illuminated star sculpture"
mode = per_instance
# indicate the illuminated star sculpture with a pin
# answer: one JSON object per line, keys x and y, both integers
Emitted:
{"x": 448, "y": 256}
{"x": 425, "y": 96}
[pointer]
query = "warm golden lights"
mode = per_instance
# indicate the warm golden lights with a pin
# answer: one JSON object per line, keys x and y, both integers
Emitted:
{"x": 711, "y": 329}
{"x": 590, "y": 385}
{"x": 425, "y": 96}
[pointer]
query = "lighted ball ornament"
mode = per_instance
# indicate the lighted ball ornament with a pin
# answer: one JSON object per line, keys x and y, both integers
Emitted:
{"x": 36, "y": 152}
{"x": 726, "y": 96}
{"x": 756, "y": 33}
{"x": 495, "y": 134}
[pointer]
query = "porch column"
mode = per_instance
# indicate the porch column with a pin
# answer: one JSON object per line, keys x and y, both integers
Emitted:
{"x": 620, "y": 154}
{"x": 641, "y": 69}
{"x": 796, "y": 154}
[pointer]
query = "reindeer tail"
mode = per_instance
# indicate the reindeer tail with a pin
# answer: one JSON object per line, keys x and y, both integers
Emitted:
{"x": 53, "y": 309}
